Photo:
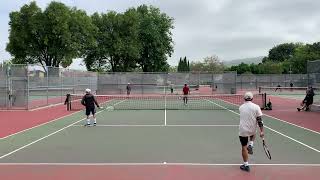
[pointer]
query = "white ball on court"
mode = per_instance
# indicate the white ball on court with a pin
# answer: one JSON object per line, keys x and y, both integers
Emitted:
{"x": 164, "y": 162}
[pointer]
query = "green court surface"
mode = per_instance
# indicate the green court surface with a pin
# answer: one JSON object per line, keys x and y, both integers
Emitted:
{"x": 157, "y": 136}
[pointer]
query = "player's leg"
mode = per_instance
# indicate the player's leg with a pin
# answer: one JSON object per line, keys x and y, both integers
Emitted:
{"x": 250, "y": 145}
{"x": 186, "y": 99}
{"x": 93, "y": 111}
{"x": 308, "y": 103}
{"x": 88, "y": 117}
{"x": 244, "y": 152}
{"x": 302, "y": 105}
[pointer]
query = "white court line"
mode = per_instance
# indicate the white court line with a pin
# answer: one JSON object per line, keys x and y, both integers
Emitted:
{"x": 272, "y": 130}
{"x": 281, "y": 120}
{"x": 44, "y": 137}
{"x": 160, "y": 125}
{"x": 38, "y": 125}
{"x": 292, "y": 124}
{"x": 44, "y": 107}
{"x": 147, "y": 164}
{"x": 33, "y": 142}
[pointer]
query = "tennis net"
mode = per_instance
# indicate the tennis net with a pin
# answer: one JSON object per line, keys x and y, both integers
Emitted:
{"x": 169, "y": 102}
{"x": 285, "y": 90}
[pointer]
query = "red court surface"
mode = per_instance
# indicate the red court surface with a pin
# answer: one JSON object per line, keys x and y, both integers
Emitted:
{"x": 16, "y": 121}
{"x": 286, "y": 109}
{"x": 157, "y": 172}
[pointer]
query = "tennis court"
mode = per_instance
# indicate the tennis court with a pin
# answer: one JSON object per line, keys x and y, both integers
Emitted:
{"x": 184, "y": 143}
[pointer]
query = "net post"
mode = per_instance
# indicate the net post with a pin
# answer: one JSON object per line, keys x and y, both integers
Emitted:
{"x": 265, "y": 100}
{"x": 67, "y": 102}
{"x": 259, "y": 89}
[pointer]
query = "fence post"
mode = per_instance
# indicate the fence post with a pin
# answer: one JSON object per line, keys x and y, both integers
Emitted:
{"x": 27, "y": 87}
{"x": 47, "y": 73}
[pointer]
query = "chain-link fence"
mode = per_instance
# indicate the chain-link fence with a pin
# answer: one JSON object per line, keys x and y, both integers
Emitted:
{"x": 254, "y": 81}
{"x": 27, "y": 87}
{"x": 166, "y": 83}
{"x": 32, "y": 86}
{"x": 313, "y": 68}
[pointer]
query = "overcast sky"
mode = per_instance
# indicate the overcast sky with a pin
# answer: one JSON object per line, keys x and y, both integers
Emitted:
{"x": 230, "y": 29}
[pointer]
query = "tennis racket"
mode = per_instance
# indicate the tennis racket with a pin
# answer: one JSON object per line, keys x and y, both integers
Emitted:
{"x": 266, "y": 149}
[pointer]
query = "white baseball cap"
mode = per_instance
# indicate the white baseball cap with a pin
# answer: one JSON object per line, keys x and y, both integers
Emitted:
{"x": 88, "y": 90}
{"x": 248, "y": 96}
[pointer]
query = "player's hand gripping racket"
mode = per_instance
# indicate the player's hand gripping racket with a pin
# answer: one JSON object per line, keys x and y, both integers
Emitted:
{"x": 266, "y": 149}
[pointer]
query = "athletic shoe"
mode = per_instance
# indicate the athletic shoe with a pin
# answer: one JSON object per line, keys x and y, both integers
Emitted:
{"x": 87, "y": 125}
{"x": 245, "y": 168}
{"x": 250, "y": 149}
{"x": 94, "y": 124}
{"x": 298, "y": 109}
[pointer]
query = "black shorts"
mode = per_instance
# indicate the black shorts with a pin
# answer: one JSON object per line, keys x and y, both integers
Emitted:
{"x": 185, "y": 96}
{"x": 244, "y": 140}
{"x": 90, "y": 110}
{"x": 308, "y": 101}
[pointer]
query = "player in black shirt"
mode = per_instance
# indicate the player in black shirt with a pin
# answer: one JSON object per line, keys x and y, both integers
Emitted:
{"x": 89, "y": 101}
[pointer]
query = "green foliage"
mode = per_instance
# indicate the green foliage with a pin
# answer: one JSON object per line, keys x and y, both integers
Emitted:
{"x": 172, "y": 69}
{"x": 117, "y": 45}
{"x": 282, "y": 52}
{"x": 284, "y": 58}
{"x": 184, "y": 65}
{"x": 155, "y": 38}
{"x": 209, "y": 64}
{"x": 52, "y": 37}
{"x": 136, "y": 40}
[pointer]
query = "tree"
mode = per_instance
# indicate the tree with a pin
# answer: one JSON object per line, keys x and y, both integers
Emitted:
{"x": 183, "y": 65}
{"x": 180, "y": 65}
{"x": 172, "y": 69}
{"x": 117, "y": 46}
{"x": 155, "y": 39}
{"x": 209, "y": 64}
{"x": 136, "y": 40}
{"x": 52, "y": 37}
{"x": 303, "y": 55}
{"x": 282, "y": 52}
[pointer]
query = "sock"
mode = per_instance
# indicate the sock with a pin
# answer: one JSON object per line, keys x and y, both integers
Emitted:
{"x": 251, "y": 143}
{"x": 95, "y": 120}
{"x": 88, "y": 121}
{"x": 246, "y": 163}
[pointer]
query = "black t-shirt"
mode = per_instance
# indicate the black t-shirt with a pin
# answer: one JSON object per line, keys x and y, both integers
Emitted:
{"x": 89, "y": 101}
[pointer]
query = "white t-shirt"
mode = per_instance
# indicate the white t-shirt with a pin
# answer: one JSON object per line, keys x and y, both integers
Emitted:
{"x": 248, "y": 118}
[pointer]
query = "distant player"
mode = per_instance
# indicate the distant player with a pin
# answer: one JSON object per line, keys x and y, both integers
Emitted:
{"x": 308, "y": 100}
{"x": 278, "y": 88}
{"x": 128, "y": 89}
{"x": 185, "y": 91}
{"x": 171, "y": 88}
{"x": 250, "y": 117}
{"x": 89, "y": 101}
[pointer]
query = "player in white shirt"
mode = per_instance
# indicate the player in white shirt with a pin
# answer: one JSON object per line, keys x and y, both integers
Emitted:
{"x": 250, "y": 117}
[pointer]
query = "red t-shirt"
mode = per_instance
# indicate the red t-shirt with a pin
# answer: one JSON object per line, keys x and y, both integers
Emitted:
{"x": 185, "y": 90}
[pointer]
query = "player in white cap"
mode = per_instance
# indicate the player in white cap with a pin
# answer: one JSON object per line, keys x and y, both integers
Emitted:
{"x": 250, "y": 117}
{"x": 89, "y": 101}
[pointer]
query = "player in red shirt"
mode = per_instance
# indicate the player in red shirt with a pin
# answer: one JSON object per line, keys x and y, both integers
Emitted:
{"x": 185, "y": 91}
